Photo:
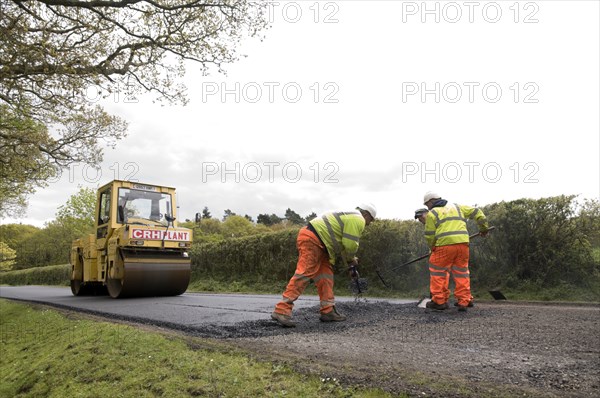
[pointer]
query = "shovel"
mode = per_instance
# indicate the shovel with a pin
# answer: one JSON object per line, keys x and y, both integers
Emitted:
{"x": 423, "y": 302}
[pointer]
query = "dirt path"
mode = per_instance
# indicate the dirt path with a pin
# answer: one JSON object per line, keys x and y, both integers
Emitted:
{"x": 492, "y": 350}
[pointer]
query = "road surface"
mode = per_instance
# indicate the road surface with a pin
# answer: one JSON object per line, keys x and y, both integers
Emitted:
{"x": 189, "y": 311}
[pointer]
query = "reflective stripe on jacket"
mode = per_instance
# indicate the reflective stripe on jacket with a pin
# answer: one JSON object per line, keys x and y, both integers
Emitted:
{"x": 447, "y": 225}
{"x": 340, "y": 232}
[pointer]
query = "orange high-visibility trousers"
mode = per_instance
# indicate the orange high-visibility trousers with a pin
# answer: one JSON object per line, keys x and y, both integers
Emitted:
{"x": 313, "y": 264}
{"x": 446, "y": 260}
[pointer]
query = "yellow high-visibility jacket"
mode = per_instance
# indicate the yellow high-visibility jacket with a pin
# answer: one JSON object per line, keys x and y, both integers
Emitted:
{"x": 447, "y": 225}
{"x": 340, "y": 232}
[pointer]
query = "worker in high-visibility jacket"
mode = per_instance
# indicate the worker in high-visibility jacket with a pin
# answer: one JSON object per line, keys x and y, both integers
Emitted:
{"x": 319, "y": 244}
{"x": 447, "y": 236}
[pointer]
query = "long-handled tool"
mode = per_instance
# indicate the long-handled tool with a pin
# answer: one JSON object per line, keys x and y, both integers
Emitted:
{"x": 356, "y": 278}
{"x": 357, "y": 285}
{"x": 428, "y": 254}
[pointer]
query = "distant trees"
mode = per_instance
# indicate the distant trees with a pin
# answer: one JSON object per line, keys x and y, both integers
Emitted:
{"x": 7, "y": 257}
{"x": 208, "y": 229}
{"x": 267, "y": 219}
{"x": 310, "y": 216}
{"x": 293, "y": 217}
{"x": 228, "y": 213}
{"x": 52, "y": 244}
{"x": 233, "y": 225}
{"x": 290, "y": 216}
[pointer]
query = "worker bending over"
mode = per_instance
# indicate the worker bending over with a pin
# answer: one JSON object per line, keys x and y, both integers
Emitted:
{"x": 319, "y": 244}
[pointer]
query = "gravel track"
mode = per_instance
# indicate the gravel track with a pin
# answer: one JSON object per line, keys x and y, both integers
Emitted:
{"x": 508, "y": 349}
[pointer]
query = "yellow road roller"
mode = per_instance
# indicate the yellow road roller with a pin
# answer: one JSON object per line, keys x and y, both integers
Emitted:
{"x": 137, "y": 249}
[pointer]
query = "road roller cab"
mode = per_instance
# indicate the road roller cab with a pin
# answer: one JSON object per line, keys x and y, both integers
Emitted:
{"x": 137, "y": 248}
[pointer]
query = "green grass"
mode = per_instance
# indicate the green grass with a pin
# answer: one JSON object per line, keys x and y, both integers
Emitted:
{"x": 45, "y": 354}
{"x": 564, "y": 292}
{"x": 215, "y": 285}
{"x": 341, "y": 288}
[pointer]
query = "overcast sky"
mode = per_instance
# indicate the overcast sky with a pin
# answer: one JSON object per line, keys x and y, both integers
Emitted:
{"x": 350, "y": 101}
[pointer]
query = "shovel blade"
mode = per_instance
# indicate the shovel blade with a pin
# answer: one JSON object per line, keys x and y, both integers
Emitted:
{"x": 423, "y": 303}
{"x": 497, "y": 295}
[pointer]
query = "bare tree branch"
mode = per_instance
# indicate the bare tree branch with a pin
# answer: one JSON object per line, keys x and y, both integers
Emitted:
{"x": 53, "y": 51}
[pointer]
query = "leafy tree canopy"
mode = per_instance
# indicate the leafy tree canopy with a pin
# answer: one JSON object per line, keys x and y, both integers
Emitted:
{"x": 268, "y": 219}
{"x": 7, "y": 257}
{"x": 58, "y": 58}
{"x": 77, "y": 214}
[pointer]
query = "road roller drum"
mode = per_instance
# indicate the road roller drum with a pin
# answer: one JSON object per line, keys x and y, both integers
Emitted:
{"x": 151, "y": 274}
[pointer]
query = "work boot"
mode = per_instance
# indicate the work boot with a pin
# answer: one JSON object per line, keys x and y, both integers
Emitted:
{"x": 283, "y": 320}
{"x": 470, "y": 305}
{"x": 462, "y": 308}
{"x": 332, "y": 316}
{"x": 434, "y": 306}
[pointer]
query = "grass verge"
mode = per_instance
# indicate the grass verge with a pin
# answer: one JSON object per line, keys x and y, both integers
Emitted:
{"x": 46, "y": 354}
{"x": 563, "y": 292}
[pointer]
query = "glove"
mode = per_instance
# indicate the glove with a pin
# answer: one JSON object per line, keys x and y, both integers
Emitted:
{"x": 483, "y": 234}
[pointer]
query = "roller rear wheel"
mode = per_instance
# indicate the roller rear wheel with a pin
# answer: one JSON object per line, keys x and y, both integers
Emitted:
{"x": 77, "y": 287}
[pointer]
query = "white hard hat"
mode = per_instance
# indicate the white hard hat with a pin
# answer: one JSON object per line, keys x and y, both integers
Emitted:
{"x": 370, "y": 207}
{"x": 430, "y": 195}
